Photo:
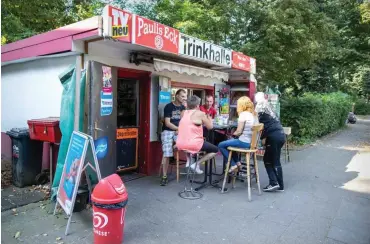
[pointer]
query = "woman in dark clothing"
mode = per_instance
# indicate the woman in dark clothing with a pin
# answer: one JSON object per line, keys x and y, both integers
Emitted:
{"x": 273, "y": 138}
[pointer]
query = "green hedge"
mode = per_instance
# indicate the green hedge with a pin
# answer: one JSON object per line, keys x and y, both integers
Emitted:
{"x": 314, "y": 115}
{"x": 362, "y": 107}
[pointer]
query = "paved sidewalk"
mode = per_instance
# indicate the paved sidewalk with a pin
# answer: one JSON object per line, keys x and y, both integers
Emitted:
{"x": 327, "y": 200}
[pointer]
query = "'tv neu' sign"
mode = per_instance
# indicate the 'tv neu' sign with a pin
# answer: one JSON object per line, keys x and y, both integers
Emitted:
{"x": 194, "y": 48}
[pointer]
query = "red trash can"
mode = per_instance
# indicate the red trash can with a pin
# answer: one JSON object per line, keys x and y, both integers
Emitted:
{"x": 109, "y": 199}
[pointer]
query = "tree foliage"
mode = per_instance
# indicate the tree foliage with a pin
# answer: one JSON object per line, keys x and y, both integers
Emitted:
{"x": 21, "y": 19}
{"x": 302, "y": 45}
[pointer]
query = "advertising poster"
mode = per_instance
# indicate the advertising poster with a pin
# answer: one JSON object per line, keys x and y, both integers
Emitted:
{"x": 164, "y": 97}
{"x": 73, "y": 166}
{"x": 101, "y": 147}
{"x": 222, "y": 98}
{"x": 106, "y": 95}
{"x": 106, "y": 104}
{"x": 107, "y": 79}
{"x": 81, "y": 159}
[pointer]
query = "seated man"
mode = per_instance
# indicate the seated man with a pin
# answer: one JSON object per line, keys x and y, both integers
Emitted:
{"x": 208, "y": 108}
{"x": 190, "y": 136}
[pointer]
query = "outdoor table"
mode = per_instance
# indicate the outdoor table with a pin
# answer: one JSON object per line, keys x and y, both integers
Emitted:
{"x": 208, "y": 167}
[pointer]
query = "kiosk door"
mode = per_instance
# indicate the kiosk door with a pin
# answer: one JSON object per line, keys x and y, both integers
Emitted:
{"x": 102, "y": 113}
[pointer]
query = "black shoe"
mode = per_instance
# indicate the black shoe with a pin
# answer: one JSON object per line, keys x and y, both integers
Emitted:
{"x": 271, "y": 188}
{"x": 164, "y": 181}
{"x": 281, "y": 189}
{"x": 172, "y": 160}
{"x": 280, "y": 178}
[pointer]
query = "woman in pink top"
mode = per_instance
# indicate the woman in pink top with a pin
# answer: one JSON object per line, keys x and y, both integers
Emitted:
{"x": 190, "y": 132}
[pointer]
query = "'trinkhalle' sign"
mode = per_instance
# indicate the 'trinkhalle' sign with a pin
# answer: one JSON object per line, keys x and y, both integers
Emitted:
{"x": 194, "y": 48}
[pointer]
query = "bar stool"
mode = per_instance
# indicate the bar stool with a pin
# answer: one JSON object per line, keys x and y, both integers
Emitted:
{"x": 178, "y": 164}
{"x": 256, "y": 132}
{"x": 191, "y": 193}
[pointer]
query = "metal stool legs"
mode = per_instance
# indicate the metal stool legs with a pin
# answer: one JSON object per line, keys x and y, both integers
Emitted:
{"x": 189, "y": 192}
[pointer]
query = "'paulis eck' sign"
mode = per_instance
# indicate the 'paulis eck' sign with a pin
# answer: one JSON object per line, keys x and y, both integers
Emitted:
{"x": 207, "y": 52}
{"x": 149, "y": 33}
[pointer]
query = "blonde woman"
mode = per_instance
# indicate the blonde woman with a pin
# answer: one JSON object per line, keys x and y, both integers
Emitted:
{"x": 247, "y": 118}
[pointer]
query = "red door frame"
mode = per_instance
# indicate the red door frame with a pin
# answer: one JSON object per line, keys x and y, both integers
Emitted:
{"x": 144, "y": 78}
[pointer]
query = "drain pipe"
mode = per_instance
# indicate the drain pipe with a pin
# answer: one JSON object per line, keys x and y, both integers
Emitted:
{"x": 77, "y": 93}
{"x": 100, "y": 26}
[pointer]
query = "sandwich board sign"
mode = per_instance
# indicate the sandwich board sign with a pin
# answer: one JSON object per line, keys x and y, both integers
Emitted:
{"x": 75, "y": 164}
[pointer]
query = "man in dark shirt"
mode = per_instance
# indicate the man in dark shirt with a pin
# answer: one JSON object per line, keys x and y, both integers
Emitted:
{"x": 172, "y": 115}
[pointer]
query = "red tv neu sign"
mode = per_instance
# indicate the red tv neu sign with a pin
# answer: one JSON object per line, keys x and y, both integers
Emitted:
{"x": 151, "y": 34}
{"x": 243, "y": 62}
{"x": 117, "y": 23}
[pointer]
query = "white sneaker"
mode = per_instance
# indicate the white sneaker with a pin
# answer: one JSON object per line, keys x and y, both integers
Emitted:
{"x": 188, "y": 159}
{"x": 197, "y": 170}
{"x": 232, "y": 168}
{"x": 187, "y": 163}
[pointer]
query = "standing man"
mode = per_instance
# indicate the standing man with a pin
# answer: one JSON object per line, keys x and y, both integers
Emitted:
{"x": 172, "y": 115}
{"x": 208, "y": 108}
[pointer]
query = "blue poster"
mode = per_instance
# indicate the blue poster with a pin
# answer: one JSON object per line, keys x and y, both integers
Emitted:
{"x": 73, "y": 161}
{"x": 101, "y": 147}
{"x": 106, "y": 103}
{"x": 164, "y": 97}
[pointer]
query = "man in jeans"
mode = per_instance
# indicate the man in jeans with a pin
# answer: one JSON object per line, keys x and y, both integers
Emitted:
{"x": 172, "y": 115}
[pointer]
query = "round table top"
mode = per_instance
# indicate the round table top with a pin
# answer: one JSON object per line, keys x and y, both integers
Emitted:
{"x": 218, "y": 127}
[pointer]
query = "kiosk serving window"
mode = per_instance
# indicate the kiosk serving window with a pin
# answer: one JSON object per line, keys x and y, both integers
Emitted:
{"x": 127, "y": 124}
{"x": 127, "y": 102}
{"x": 189, "y": 92}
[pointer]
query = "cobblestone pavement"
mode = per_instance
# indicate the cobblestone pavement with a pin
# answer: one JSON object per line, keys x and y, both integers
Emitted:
{"x": 327, "y": 200}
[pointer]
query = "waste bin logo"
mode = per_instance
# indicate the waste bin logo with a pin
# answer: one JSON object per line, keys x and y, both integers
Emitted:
{"x": 100, "y": 220}
{"x": 120, "y": 189}
{"x": 101, "y": 147}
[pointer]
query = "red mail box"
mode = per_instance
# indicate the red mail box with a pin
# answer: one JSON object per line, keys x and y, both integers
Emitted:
{"x": 45, "y": 129}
